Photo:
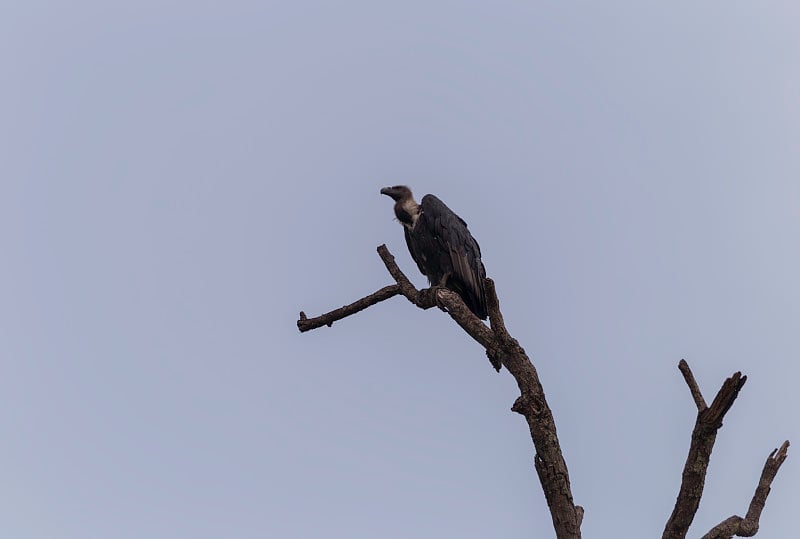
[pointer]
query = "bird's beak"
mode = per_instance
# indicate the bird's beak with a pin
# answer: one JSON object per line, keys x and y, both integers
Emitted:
{"x": 386, "y": 191}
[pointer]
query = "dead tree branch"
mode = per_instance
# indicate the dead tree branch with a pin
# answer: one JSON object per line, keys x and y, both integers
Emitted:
{"x": 693, "y": 387}
{"x": 502, "y": 349}
{"x": 748, "y": 526}
{"x": 327, "y": 319}
{"x": 708, "y": 422}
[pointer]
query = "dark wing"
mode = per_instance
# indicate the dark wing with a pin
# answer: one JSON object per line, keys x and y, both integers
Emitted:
{"x": 441, "y": 244}
{"x": 416, "y": 251}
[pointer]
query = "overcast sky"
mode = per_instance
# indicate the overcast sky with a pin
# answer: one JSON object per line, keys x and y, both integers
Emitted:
{"x": 179, "y": 179}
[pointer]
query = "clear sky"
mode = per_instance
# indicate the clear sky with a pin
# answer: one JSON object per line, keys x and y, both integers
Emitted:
{"x": 178, "y": 179}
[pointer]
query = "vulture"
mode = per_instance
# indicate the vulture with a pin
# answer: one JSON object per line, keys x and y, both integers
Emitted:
{"x": 440, "y": 244}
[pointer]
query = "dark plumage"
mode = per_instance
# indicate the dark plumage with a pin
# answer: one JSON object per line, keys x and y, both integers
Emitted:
{"x": 442, "y": 246}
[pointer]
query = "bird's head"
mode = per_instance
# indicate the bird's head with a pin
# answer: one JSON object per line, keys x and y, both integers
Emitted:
{"x": 397, "y": 192}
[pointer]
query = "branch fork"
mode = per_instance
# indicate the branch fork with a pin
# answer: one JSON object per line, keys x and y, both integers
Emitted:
{"x": 708, "y": 422}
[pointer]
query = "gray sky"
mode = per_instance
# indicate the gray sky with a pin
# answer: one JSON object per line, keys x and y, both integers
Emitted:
{"x": 179, "y": 179}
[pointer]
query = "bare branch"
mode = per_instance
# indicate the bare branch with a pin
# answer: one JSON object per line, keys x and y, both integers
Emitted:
{"x": 493, "y": 306}
{"x": 748, "y": 526}
{"x": 406, "y": 288}
{"x": 771, "y": 467}
{"x": 709, "y": 420}
{"x": 403, "y": 286}
{"x": 693, "y": 387}
{"x": 327, "y": 319}
{"x": 498, "y": 324}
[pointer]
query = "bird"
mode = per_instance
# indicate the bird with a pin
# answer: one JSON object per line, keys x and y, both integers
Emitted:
{"x": 442, "y": 246}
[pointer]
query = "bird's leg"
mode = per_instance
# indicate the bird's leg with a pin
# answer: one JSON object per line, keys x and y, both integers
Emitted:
{"x": 433, "y": 290}
{"x": 430, "y": 297}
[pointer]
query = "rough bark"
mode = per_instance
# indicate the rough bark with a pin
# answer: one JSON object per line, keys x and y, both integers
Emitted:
{"x": 708, "y": 422}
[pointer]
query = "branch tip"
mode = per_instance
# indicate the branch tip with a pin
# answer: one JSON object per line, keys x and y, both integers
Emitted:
{"x": 697, "y": 395}
{"x": 779, "y": 454}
